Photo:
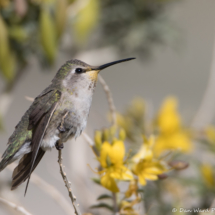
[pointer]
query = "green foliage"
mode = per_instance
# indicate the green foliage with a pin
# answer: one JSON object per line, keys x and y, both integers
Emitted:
{"x": 48, "y": 33}
{"x": 104, "y": 196}
{"x": 7, "y": 61}
{"x": 152, "y": 179}
{"x": 60, "y": 16}
{"x": 97, "y": 180}
{"x": 103, "y": 205}
{"x": 86, "y": 20}
{"x": 37, "y": 28}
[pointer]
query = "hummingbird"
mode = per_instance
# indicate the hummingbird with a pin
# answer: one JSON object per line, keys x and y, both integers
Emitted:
{"x": 59, "y": 113}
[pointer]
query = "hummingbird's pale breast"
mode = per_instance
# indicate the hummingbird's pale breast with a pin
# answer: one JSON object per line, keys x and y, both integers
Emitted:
{"x": 76, "y": 100}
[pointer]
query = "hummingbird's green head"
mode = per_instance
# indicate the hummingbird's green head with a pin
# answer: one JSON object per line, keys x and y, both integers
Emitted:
{"x": 75, "y": 71}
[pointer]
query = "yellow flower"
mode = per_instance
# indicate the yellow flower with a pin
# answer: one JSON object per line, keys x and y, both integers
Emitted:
{"x": 210, "y": 133}
{"x": 168, "y": 117}
{"x": 111, "y": 159}
{"x": 108, "y": 182}
{"x": 98, "y": 140}
{"x": 148, "y": 170}
{"x": 208, "y": 175}
{"x": 171, "y": 136}
{"x": 146, "y": 167}
{"x": 126, "y": 208}
{"x": 176, "y": 141}
{"x": 132, "y": 189}
{"x": 145, "y": 150}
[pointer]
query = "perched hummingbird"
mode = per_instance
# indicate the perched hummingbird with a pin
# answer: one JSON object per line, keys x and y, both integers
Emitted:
{"x": 60, "y": 112}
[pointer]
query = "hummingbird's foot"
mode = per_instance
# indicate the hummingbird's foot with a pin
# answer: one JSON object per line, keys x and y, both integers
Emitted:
{"x": 61, "y": 129}
{"x": 59, "y": 146}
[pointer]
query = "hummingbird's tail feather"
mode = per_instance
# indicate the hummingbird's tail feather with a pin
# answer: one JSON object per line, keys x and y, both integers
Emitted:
{"x": 3, "y": 164}
{"x": 23, "y": 170}
{"x": 8, "y": 157}
{"x": 6, "y": 161}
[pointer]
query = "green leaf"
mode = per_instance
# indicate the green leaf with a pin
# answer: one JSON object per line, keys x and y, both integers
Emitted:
{"x": 103, "y": 205}
{"x": 7, "y": 58}
{"x": 86, "y": 20}
{"x": 60, "y": 16}
{"x": 104, "y": 196}
{"x": 97, "y": 180}
{"x": 48, "y": 34}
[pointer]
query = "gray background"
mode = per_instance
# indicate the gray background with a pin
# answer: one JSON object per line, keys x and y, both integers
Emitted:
{"x": 182, "y": 71}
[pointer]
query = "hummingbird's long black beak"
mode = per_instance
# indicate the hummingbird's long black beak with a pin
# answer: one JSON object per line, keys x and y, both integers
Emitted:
{"x": 112, "y": 63}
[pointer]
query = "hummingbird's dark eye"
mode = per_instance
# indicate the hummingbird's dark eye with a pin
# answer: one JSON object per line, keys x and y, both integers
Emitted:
{"x": 79, "y": 70}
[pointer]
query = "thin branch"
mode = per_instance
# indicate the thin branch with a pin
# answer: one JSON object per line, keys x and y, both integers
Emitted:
{"x": 48, "y": 189}
{"x": 212, "y": 205}
{"x": 68, "y": 184}
{"x": 30, "y": 99}
{"x": 88, "y": 139}
{"x": 53, "y": 192}
{"x": 110, "y": 99}
{"x": 15, "y": 207}
{"x": 205, "y": 113}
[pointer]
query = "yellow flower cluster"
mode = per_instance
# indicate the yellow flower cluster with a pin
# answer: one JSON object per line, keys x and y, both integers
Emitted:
{"x": 147, "y": 167}
{"x": 171, "y": 135}
{"x": 143, "y": 165}
{"x": 146, "y": 164}
{"x": 207, "y": 173}
{"x": 111, "y": 158}
{"x": 210, "y": 133}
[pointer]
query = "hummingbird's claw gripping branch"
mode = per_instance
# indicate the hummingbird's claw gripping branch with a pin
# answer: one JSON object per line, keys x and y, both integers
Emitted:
{"x": 59, "y": 145}
{"x": 68, "y": 184}
{"x": 61, "y": 127}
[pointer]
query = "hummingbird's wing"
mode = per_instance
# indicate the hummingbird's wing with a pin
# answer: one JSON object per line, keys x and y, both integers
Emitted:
{"x": 21, "y": 172}
{"x": 22, "y": 134}
{"x": 39, "y": 118}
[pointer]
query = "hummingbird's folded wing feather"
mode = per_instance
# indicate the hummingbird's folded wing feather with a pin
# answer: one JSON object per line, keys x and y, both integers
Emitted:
{"x": 21, "y": 172}
{"x": 39, "y": 118}
{"x": 43, "y": 104}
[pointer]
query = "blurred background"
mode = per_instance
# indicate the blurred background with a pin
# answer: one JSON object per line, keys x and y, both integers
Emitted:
{"x": 173, "y": 41}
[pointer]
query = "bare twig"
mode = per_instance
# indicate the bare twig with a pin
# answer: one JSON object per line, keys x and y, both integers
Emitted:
{"x": 68, "y": 184}
{"x": 53, "y": 193}
{"x": 212, "y": 205}
{"x": 205, "y": 113}
{"x": 48, "y": 189}
{"x": 30, "y": 99}
{"x": 88, "y": 139}
{"x": 109, "y": 98}
{"x": 15, "y": 207}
